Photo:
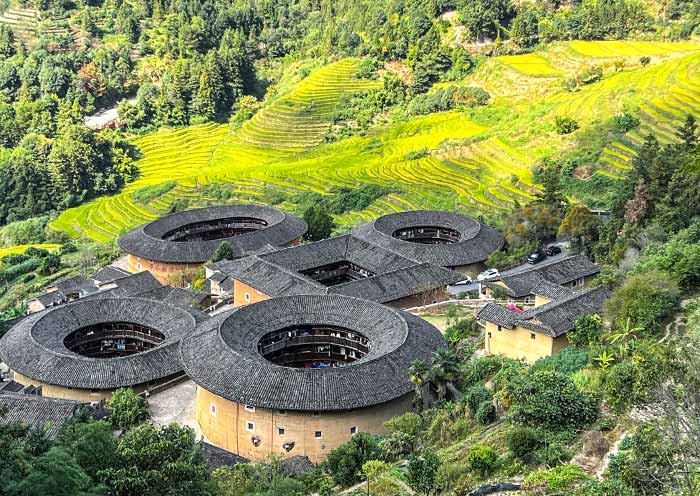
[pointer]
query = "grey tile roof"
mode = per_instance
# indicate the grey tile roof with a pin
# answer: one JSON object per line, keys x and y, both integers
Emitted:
{"x": 217, "y": 457}
{"x": 72, "y": 283}
{"x": 36, "y": 411}
{"x": 109, "y": 274}
{"x": 551, "y": 291}
{"x": 34, "y": 347}
{"x": 222, "y": 356}
{"x": 477, "y": 240}
{"x": 558, "y": 271}
{"x": 277, "y": 274}
{"x": 131, "y": 285}
{"x": 554, "y": 318}
{"x": 147, "y": 241}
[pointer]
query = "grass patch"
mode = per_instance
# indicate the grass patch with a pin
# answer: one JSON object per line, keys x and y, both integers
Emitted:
{"x": 150, "y": 193}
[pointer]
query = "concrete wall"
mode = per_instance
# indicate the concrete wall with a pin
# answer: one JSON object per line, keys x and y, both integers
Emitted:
{"x": 472, "y": 270}
{"x": 519, "y": 343}
{"x": 225, "y": 424}
{"x": 173, "y": 274}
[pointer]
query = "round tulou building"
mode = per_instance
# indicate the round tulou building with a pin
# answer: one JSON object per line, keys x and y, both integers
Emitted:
{"x": 300, "y": 375}
{"x": 85, "y": 350}
{"x": 446, "y": 239}
{"x": 174, "y": 247}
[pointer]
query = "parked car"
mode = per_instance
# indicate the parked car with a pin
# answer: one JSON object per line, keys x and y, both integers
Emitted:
{"x": 467, "y": 281}
{"x": 536, "y": 257}
{"x": 553, "y": 250}
{"x": 488, "y": 274}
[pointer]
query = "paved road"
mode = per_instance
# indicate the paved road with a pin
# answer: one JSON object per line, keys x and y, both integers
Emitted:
{"x": 455, "y": 290}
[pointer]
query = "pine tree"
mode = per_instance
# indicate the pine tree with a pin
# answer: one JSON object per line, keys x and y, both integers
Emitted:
{"x": 688, "y": 132}
{"x": 210, "y": 98}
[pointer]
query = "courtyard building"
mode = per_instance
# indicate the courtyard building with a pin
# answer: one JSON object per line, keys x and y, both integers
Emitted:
{"x": 173, "y": 248}
{"x": 85, "y": 350}
{"x": 300, "y": 375}
{"x": 344, "y": 265}
{"x": 446, "y": 239}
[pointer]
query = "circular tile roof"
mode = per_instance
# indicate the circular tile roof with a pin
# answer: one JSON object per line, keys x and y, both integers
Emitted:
{"x": 146, "y": 241}
{"x": 476, "y": 242}
{"x": 222, "y": 355}
{"x": 35, "y": 346}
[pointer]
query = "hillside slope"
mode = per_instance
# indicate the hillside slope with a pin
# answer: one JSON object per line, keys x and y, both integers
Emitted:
{"x": 478, "y": 162}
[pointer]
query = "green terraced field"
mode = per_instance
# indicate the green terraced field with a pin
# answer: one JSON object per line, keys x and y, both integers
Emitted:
{"x": 477, "y": 163}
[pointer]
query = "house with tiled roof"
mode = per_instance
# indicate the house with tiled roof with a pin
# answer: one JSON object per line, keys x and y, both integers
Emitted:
{"x": 344, "y": 265}
{"x": 36, "y": 412}
{"x": 539, "y": 331}
{"x": 569, "y": 272}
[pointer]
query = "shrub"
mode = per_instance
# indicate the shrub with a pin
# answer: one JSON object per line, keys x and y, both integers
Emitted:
{"x": 523, "y": 442}
{"x": 149, "y": 193}
{"x": 14, "y": 259}
{"x": 416, "y": 154}
{"x": 345, "y": 462}
{"x": 553, "y": 454}
{"x": 67, "y": 248}
{"x": 223, "y": 252}
{"x": 9, "y": 274}
{"x": 567, "y": 361}
{"x": 482, "y": 459}
{"x": 551, "y": 399}
{"x": 475, "y": 396}
{"x": 409, "y": 423}
{"x": 560, "y": 479}
{"x": 645, "y": 60}
{"x": 565, "y": 125}
{"x": 624, "y": 122}
{"x": 485, "y": 413}
{"x": 464, "y": 328}
{"x": 587, "y": 331}
{"x": 396, "y": 445}
{"x": 644, "y": 303}
{"x": 49, "y": 264}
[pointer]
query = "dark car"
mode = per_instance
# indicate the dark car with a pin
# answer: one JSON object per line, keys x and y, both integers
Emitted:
{"x": 536, "y": 257}
{"x": 553, "y": 250}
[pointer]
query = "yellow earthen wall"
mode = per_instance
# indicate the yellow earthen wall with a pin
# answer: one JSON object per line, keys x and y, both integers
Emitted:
{"x": 240, "y": 290}
{"x": 517, "y": 343}
{"x": 226, "y": 427}
{"x": 173, "y": 274}
{"x": 52, "y": 391}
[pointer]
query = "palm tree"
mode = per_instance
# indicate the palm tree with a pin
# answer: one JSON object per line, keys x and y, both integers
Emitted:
{"x": 444, "y": 369}
{"x": 418, "y": 373}
{"x": 627, "y": 333}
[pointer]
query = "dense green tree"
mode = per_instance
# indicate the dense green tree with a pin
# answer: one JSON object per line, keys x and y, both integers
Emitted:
{"x": 56, "y": 473}
{"x": 128, "y": 409}
{"x": 165, "y": 461}
{"x": 484, "y": 18}
{"x": 223, "y": 252}
{"x": 345, "y": 462}
{"x": 422, "y": 472}
{"x": 551, "y": 399}
{"x": 91, "y": 444}
{"x": 319, "y": 221}
{"x": 644, "y": 303}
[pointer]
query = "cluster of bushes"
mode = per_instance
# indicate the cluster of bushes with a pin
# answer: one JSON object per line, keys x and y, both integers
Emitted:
{"x": 149, "y": 193}
{"x": 445, "y": 99}
{"x": 33, "y": 259}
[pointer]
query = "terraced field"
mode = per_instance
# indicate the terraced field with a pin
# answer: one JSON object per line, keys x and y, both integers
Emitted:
{"x": 27, "y": 24}
{"x": 477, "y": 163}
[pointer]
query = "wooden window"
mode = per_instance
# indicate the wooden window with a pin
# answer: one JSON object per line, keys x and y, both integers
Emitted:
{"x": 353, "y": 430}
{"x": 499, "y": 328}
{"x": 532, "y": 335}
{"x": 250, "y": 426}
{"x": 212, "y": 409}
{"x": 280, "y": 431}
{"x": 318, "y": 434}
{"x": 249, "y": 408}
{"x": 247, "y": 297}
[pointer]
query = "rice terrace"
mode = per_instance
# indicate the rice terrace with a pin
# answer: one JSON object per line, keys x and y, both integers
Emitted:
{"x": 478, "y": 162}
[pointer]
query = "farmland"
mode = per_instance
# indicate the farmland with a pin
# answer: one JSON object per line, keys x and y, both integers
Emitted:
{"x": 477, "y": 162}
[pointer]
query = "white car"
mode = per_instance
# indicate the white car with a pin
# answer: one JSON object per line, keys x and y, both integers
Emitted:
{"x": 488, "y": 274}
{"x": 464, "y": 282}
